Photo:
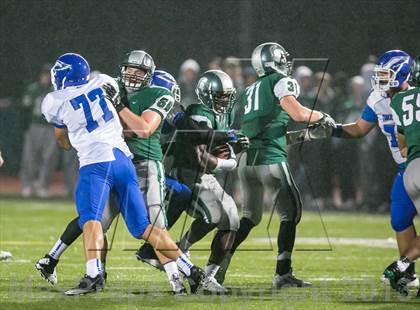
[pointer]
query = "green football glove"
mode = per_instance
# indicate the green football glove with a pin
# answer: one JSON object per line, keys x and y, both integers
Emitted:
{"x": 315, "y": 131}
{"x": 118, "y": 99}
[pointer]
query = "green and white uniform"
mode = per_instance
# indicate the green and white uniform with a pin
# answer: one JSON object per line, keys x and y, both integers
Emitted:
{"x": 406, "y": 109}
{"x": 264, "y": 165}
{"x": 210, "y": 201}
{"x": 148, "y": 154}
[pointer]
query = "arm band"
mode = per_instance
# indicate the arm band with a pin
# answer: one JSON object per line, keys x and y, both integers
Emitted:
{"x": 225, "y": 164}
{"x": 337, "y": 131}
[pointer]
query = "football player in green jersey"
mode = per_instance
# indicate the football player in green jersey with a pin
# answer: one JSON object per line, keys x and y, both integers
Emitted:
{"x": 152, "y": 104}
{"x": 268, "y": 104}
{"x": 406, "y": 108}
{"x": 195, "y": 166}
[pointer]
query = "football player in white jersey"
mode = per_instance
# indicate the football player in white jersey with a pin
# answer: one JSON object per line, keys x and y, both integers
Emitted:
{"x": 390, "y": 76}
{"x": 84, "y": 119}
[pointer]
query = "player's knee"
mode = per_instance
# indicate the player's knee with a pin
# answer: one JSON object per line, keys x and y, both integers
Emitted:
{"x": 137, "y": 230}
{"x": 84, "y": 218}
{"x": 400, "y": 223}
{"x": 253, "y": 216}
{"x": 234, "y": 222}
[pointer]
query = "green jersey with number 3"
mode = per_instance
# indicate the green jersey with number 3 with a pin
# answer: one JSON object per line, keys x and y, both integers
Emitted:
{"x": 406, "y": 106}
{"x": 264, "y": 121}
{"x": 155, "y": 99}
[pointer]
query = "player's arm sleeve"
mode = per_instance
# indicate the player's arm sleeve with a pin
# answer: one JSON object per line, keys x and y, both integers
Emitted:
{"x": 162, "y": 105}
{"x": 286, "y": 87}
{"x": 50, "y": 111}
{"x": 202, "y": 131}
{"x": 369, "y": 115}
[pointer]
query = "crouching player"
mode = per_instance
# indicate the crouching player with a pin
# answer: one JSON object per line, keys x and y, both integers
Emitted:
{"x": 406, "y": 108}
{"x": 86, "y": 120}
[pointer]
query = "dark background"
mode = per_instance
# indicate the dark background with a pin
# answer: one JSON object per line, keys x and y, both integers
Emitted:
{"x": 35, "y": 32}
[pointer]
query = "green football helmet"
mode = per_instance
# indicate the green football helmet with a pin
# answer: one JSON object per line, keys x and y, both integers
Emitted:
{"x": 271, "y": 57}
{"x": 215, "y": 90}
{"x": 139, "y": 60}
{"x": 415, "y": 72}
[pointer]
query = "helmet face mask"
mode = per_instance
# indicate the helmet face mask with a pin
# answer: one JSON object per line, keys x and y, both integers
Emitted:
{"x": 134, "y": 78}
{"x": 271, "y": 57}
{"x": 392, "y": 71}
{"x": 137, "y": 70}
{"x": 222, "y": 102}
{"x": 415, "y": 72}
{"x": 383, "y": 79}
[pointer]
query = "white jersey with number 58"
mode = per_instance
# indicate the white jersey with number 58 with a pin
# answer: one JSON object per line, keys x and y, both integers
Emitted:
{"x": 378, "y": 110}
{"x": 92, "y": 123}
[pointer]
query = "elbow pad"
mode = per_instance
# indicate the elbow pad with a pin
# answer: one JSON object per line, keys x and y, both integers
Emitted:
{"x": 225, "y": 164}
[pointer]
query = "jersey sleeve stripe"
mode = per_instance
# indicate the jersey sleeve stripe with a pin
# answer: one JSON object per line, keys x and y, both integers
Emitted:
{"x": 369, "y": 115}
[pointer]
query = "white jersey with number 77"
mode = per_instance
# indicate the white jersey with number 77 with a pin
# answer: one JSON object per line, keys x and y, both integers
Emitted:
{"x": 92, "y": 123}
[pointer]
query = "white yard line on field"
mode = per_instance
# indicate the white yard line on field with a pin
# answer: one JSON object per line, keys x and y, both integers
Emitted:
{"x": 370, "y": 242}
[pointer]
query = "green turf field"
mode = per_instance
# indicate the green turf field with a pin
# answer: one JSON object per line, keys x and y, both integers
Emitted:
{"x": 347, "y": 277}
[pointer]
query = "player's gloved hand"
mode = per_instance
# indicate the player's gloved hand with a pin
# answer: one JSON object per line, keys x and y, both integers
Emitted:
{"x": 178, "y": 117}
{"x": 316, "y": 131}
{"x": 113, "y": 96}
{"x": 238, "y": 141}
{"x": 327, "y": 120}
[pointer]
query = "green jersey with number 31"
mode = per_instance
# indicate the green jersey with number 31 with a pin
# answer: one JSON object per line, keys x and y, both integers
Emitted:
{"x": 406, "y": 106}
{"x": 264, "y": 121}
{"x": 155, "y": 99}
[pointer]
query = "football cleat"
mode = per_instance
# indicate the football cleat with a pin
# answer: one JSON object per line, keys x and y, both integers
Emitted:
{"x": 147, "y": 255}
{"x": 397, "y": 279}
{"x": 5, "y": 255}
{"x": 195, "y": 279}
{"x": 414, "y": 283}
{"x": 87, "y": 285}
{"x": 211, "y": 286}
{"x": 288, "y": 280}
{"x": 177, "y": 286}
{"x": 46, "y": 267}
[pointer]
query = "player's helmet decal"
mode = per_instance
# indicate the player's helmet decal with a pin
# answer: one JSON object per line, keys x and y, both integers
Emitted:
{"x": 392, "y": 70}
{"x": 69, "y": 70}
{"x": 271, "y": 57}
{"x": 215, "y": 89}
{"x": 140, "y": 60}
{"x": 166, "y": 80}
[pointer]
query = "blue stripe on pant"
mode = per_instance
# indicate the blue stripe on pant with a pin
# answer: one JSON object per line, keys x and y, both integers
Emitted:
{"x": 403, "y": 210}
{"x": 93, "y": 188}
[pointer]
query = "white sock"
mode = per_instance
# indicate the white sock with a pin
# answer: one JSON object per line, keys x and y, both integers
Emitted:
{"x": 171, "y": 270}
{"x": 403, "y": 264}
{"x": 211, "y": 270}
{"x": 93, "y": 267}
{"x": 58, "y": 249}
{"x": 184, "y": 264}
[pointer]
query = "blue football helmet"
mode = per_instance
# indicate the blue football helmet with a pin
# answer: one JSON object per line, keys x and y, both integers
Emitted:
{"x": 392, "y": 70}
{"x": 69, "y": 70}
{"x": 166, "y": 80}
